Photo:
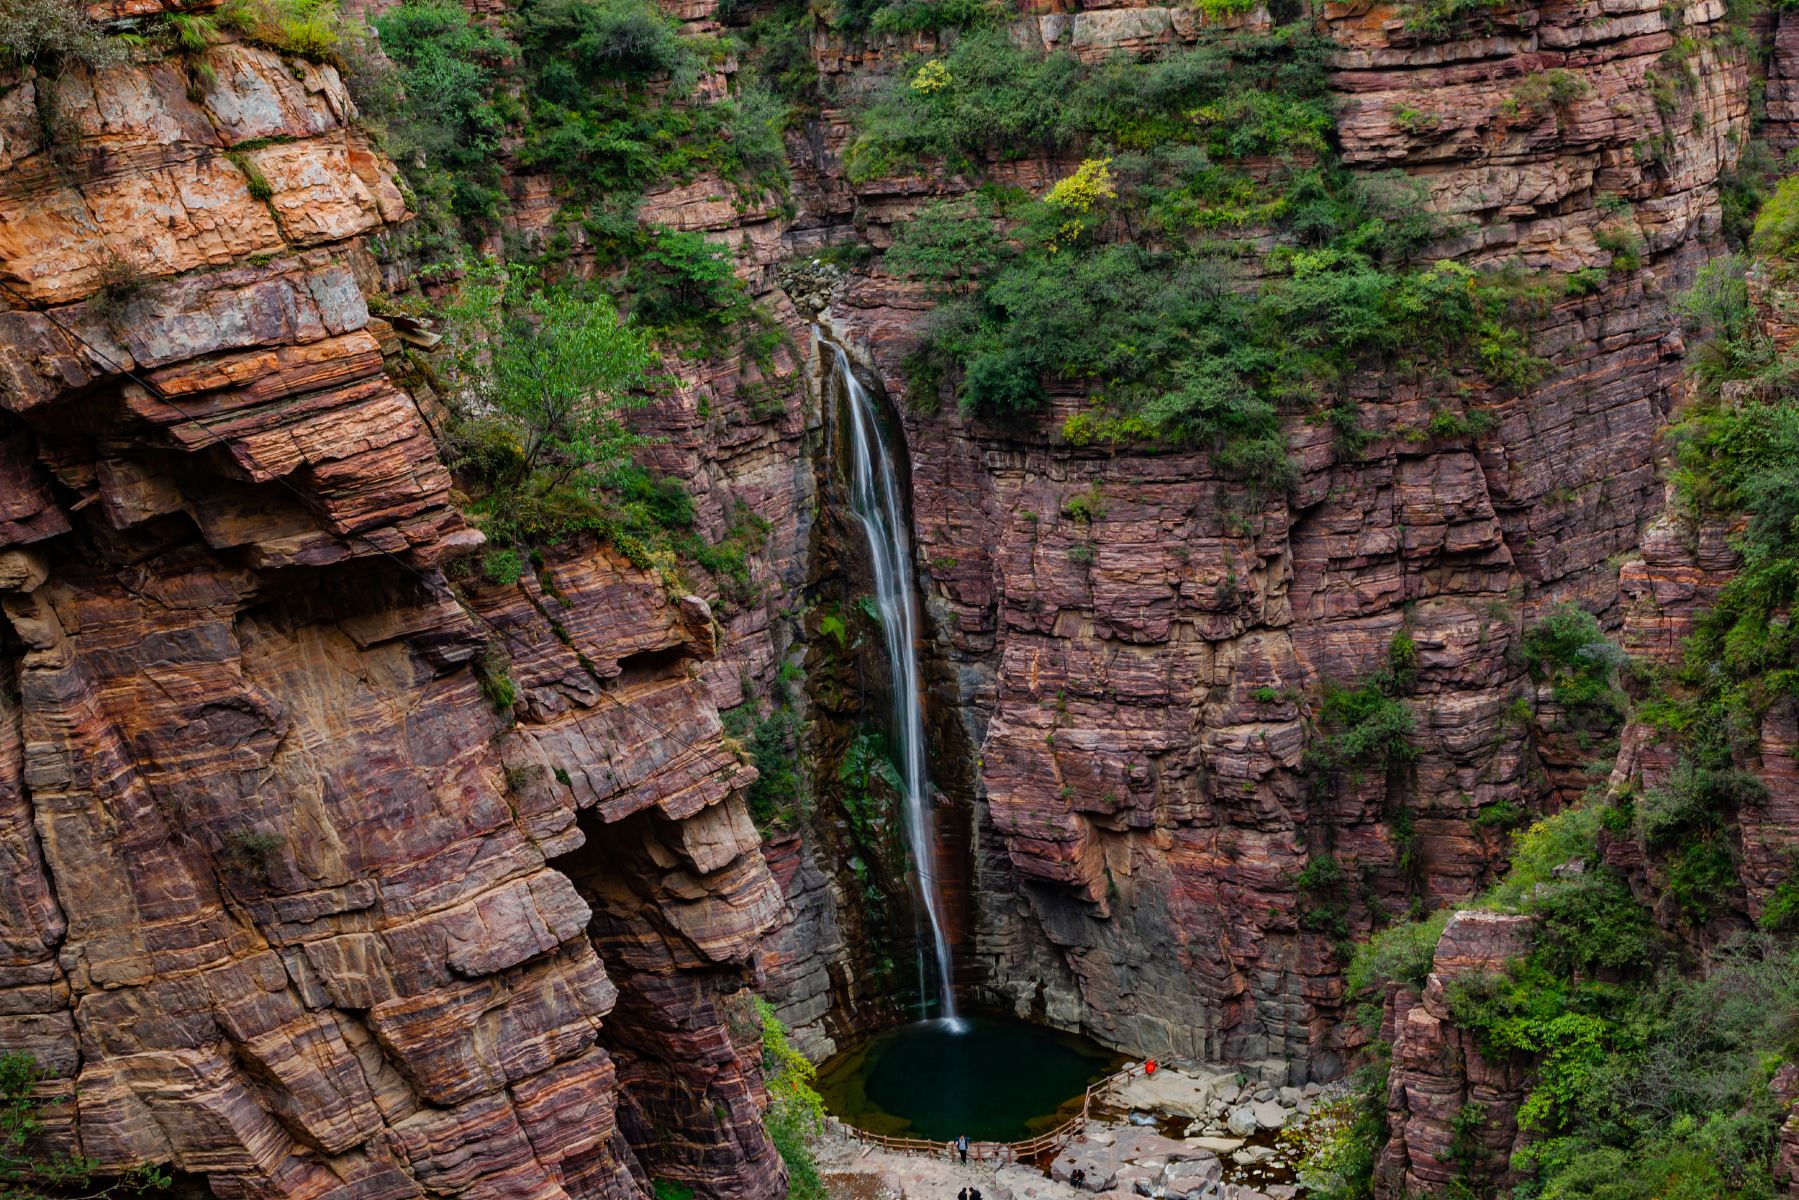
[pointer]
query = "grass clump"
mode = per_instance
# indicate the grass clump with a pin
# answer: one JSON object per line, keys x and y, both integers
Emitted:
{"x": 258, "y": 184}
{"x": 309, "y": 29}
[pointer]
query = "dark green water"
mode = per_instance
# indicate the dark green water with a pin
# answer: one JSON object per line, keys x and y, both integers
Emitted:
{"x": 1000, "y": 1080}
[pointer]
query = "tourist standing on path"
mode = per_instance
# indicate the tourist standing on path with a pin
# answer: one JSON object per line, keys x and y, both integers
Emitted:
{"x": 962, "y": 1148}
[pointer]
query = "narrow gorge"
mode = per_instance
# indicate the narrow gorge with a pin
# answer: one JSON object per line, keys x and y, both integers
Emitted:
{"x": 567, "y": 562}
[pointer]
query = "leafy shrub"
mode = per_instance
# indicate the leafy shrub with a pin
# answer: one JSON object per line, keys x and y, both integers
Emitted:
{"x": 1776, "y": 232}
{"x": 1340, "y": 1141}
{"x": 1566, "y": 648}
{"x": 1537, "y": 850}
{"x": 682, "y": 281}
{"x": 595, "y": 42}
{"x": 1693, "y": 799}
{"x": 1623, "y": 243}
{"x": 120, "y": 282}
{"x": 605, "y": 80}
{"x": 1555, "y": 90}
{"x": 1715, "y": 310}
{"x": 1701, "y": 878}
{"x": 795, "y": 1109}
{"x": 1219, "y": 9}
{"x": 1001, "y": 100}
{"x": 502, "y": 567}
{"x": 1440, "y": 19}
{"x": 921, "y": 16}
{"x": 1745, "y": 189}
{"x": 55, "y": 31}
{"x": 1370, "y": 724}
{"x": 1591, "y": 923}
{"x": 252, "y": 851}
{"x": 1398, "y": 954}
{"x": 543, "y": 378}
{"x": 446, "y": 67}
{"x": 774, "y": 799}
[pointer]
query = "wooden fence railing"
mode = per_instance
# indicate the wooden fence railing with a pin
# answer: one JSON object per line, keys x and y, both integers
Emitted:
{"x": 1020, "y": 1151}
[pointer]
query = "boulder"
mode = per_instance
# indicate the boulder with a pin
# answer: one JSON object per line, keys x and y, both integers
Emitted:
{"x": 1096, "y": 1167}
{"x": 1269, "y": 1114}
{"x": 1174, "y": 1093}
{"x": 1242, "y": 1121}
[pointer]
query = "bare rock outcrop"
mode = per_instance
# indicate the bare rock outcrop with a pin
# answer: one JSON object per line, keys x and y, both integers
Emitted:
{"x": 288, "y": 903}
{"x": 1453, "y": 1114}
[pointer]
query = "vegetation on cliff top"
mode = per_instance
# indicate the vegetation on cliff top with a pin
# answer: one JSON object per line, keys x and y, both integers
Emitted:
{"x": 599, "y": 96}
{"x": 1126, "y": 282}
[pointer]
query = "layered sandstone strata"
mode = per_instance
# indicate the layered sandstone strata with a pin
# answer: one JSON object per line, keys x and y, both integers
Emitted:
{"x": 1452, "y": 1114}
{"x": 1132, "y": 641}
{"x": 287, "y": 903}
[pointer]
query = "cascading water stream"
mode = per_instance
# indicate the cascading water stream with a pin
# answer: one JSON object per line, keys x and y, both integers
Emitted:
{"x": 875, "y": 499}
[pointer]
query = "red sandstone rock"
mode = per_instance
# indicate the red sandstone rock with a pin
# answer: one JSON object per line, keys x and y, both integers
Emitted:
{"x": 1437, "y": 1070}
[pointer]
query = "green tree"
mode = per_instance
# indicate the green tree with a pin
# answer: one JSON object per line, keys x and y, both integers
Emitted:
{"x": 29, "y": 1172}
{"x": 547, "y": 373}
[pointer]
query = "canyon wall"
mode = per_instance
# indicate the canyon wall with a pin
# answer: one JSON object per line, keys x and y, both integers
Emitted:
{"x": 325, "y": 876}
{"x": 321, "y": 878}
{"x": 1141, "y": 705}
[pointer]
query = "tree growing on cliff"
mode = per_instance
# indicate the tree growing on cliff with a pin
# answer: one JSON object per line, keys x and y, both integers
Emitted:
{"x": 31, "y": 1171}
{"x": 546, "y": 374}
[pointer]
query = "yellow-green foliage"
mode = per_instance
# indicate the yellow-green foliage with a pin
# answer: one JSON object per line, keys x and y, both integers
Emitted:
{"x": 1777, "y": 229}
{"x": 1078, "y": 195}
{"x": 931, "y": 76}
{"x": 795, "y": 1110}
{"x": 1219, "y": 9}
{"x": 308, "y": 28}
{"x": 1084, "y": 189}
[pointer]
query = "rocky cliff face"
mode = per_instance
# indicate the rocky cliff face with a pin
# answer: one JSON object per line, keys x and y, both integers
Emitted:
{"x": 289, "y": 904}
{"x": 1140, "y": 715}
{"x": 323, "y": 879}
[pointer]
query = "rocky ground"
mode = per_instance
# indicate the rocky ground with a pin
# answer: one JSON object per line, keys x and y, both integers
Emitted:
{"x": 1226, "y": 1124}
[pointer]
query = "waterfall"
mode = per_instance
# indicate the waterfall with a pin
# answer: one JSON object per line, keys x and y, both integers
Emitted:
{"x": 875, "y": 499}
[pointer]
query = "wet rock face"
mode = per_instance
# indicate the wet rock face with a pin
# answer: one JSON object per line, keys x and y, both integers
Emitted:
{"x": 284, "y": 901}
{"x": 1135, "y": 642}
